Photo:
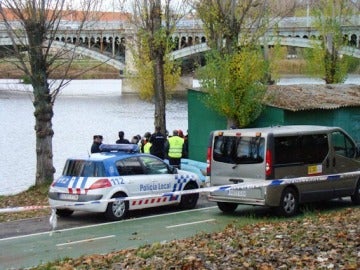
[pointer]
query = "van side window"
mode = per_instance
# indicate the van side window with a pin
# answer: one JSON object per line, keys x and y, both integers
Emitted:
{"x": 238, "y": 150}
{"x": 302, "y": 149}
{"x": 342, "y": 145}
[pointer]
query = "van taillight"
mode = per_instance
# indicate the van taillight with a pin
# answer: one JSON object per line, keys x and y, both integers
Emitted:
{"x": 208, "y": 161}
{"x": 268, "y": 164}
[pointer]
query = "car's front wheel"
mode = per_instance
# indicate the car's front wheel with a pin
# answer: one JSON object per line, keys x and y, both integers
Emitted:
{"x": 189, "y": 201}
{"x": 355, "y": 198}
{"x": 289, "y": 203}
{"x": 227, "y": 207}
{"x": 64, "y": 212}
{"x": 118, "y": 209}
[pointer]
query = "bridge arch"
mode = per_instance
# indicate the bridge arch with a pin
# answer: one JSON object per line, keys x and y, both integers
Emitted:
{"x": 285, "y": 41}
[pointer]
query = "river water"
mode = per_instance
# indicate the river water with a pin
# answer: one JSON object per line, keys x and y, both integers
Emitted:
{"x": 84, "y": 108}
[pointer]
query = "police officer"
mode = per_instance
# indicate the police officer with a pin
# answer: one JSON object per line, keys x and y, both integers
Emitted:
{"x": 157, "y": 141}
{"x": 97, "y": 141}
{"x": 121, "y": 139}
{"x": 175, "y": 149}
{"x": 145, "y": 144}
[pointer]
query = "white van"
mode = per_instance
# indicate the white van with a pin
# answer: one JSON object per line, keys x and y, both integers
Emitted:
{"x": 282, "y": 166}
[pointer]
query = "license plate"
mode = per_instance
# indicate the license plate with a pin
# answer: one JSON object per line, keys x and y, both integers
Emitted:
{"x": 69, "y": 197}
{"x": 237, "y": 193}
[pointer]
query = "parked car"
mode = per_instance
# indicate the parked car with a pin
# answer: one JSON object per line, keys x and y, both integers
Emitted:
{"x": 93, "y": 183}
{"x": 282, "y": 166}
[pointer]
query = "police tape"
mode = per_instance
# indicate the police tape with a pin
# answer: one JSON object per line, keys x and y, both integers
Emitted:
{"x": 240, "y": 186}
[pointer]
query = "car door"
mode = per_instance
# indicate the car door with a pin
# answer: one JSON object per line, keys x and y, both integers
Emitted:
{"x": 343, "y": 160}
{"x": 302, "y": 155}
{"x": 163, "y": 181}
{"x": 132, "y": 174}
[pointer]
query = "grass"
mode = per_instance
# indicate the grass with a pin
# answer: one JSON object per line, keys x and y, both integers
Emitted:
{"x": 34, "y": 196}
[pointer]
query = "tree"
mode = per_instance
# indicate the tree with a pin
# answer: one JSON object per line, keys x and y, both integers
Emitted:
{"x": 325, "y": 59}
{"x": 237, "y": 70}
{"x": 155, "y": 21}
{"x": 233, "y": 84}
{"x": 32, "y": 26}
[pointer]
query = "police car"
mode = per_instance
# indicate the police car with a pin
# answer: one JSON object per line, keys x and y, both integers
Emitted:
{"x": 120, "y": 179}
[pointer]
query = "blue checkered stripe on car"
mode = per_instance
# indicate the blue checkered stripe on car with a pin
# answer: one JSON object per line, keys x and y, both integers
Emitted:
{"x": 180, "y": 181}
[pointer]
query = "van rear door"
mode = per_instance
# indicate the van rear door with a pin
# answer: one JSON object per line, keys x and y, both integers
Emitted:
{"x": 236, "y": 156}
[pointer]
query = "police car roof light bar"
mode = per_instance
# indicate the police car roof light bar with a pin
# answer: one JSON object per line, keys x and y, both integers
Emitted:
{"x": 131, "y": 148}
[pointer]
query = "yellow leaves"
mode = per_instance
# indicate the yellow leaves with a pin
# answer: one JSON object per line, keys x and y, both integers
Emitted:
{"x": 247, "y": 66}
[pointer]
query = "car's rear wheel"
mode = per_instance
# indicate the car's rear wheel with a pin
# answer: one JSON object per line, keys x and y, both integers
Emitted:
{"x": 355, "y": 198}
{"x": 189, "y": 201}
{"x": 289, "y": 203}
{"x": 64, "y": 212}
{"x": 118, "y": 209}
{"x": 227, "y": 207}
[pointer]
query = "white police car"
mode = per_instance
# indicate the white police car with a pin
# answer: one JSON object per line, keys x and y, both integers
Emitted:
{"x": 93, "y": 183}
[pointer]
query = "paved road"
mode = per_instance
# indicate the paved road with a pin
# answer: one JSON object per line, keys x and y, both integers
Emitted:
{"x": 33, "y": 249}
{"x": 41, "y": 224}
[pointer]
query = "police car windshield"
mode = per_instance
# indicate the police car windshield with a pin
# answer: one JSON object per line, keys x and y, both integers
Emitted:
{"x": 84, "y": 168}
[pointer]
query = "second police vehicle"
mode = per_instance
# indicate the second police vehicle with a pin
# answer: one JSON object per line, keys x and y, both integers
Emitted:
{"x": 102, "y": 181}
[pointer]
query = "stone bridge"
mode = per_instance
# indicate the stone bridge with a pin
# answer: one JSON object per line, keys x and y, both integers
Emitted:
{"x": 106, "y": 41}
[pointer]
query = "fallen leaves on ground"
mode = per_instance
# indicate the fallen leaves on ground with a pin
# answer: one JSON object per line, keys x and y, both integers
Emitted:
{"x": 36, "y": 196}
{"x": 316, "y": 241}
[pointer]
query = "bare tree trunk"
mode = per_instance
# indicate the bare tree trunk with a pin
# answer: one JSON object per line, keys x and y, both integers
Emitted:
{"x": 160, "y": 100}
{"x": 44, "y": 133}
{"x": 43, "y": 105}
{"x": 157, "y": 53}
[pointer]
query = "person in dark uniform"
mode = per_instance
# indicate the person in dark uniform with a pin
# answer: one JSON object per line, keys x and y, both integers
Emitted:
{"x": 157, "y": 141}
{"x": 97, "y": 141}
{"x": 121, "y": 138}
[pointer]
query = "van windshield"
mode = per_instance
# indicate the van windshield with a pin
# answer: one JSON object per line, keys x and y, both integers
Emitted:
{"x": 239, "y": 150}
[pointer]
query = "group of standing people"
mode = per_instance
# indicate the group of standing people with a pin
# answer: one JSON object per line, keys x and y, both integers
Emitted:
{"x": 172, "y": 147}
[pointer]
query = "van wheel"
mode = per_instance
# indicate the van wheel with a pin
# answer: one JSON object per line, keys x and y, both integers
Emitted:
{"x": 189, "y": 201}
{"x": 355, "y": 198}
{"x": 64, "y": 212}
{"x": 227, "y": 207}
{"x": 117, "y": 210}
{"x": 289, "y": 203}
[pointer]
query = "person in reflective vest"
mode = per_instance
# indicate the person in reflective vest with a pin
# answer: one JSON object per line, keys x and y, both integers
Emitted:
{"x": 175, "y": 149}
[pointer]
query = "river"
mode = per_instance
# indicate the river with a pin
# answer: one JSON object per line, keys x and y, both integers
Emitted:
{"x": 84, "y": 108}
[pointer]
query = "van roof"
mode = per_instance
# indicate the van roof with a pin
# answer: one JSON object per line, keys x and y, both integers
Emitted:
{"x": 283, "y": 129}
